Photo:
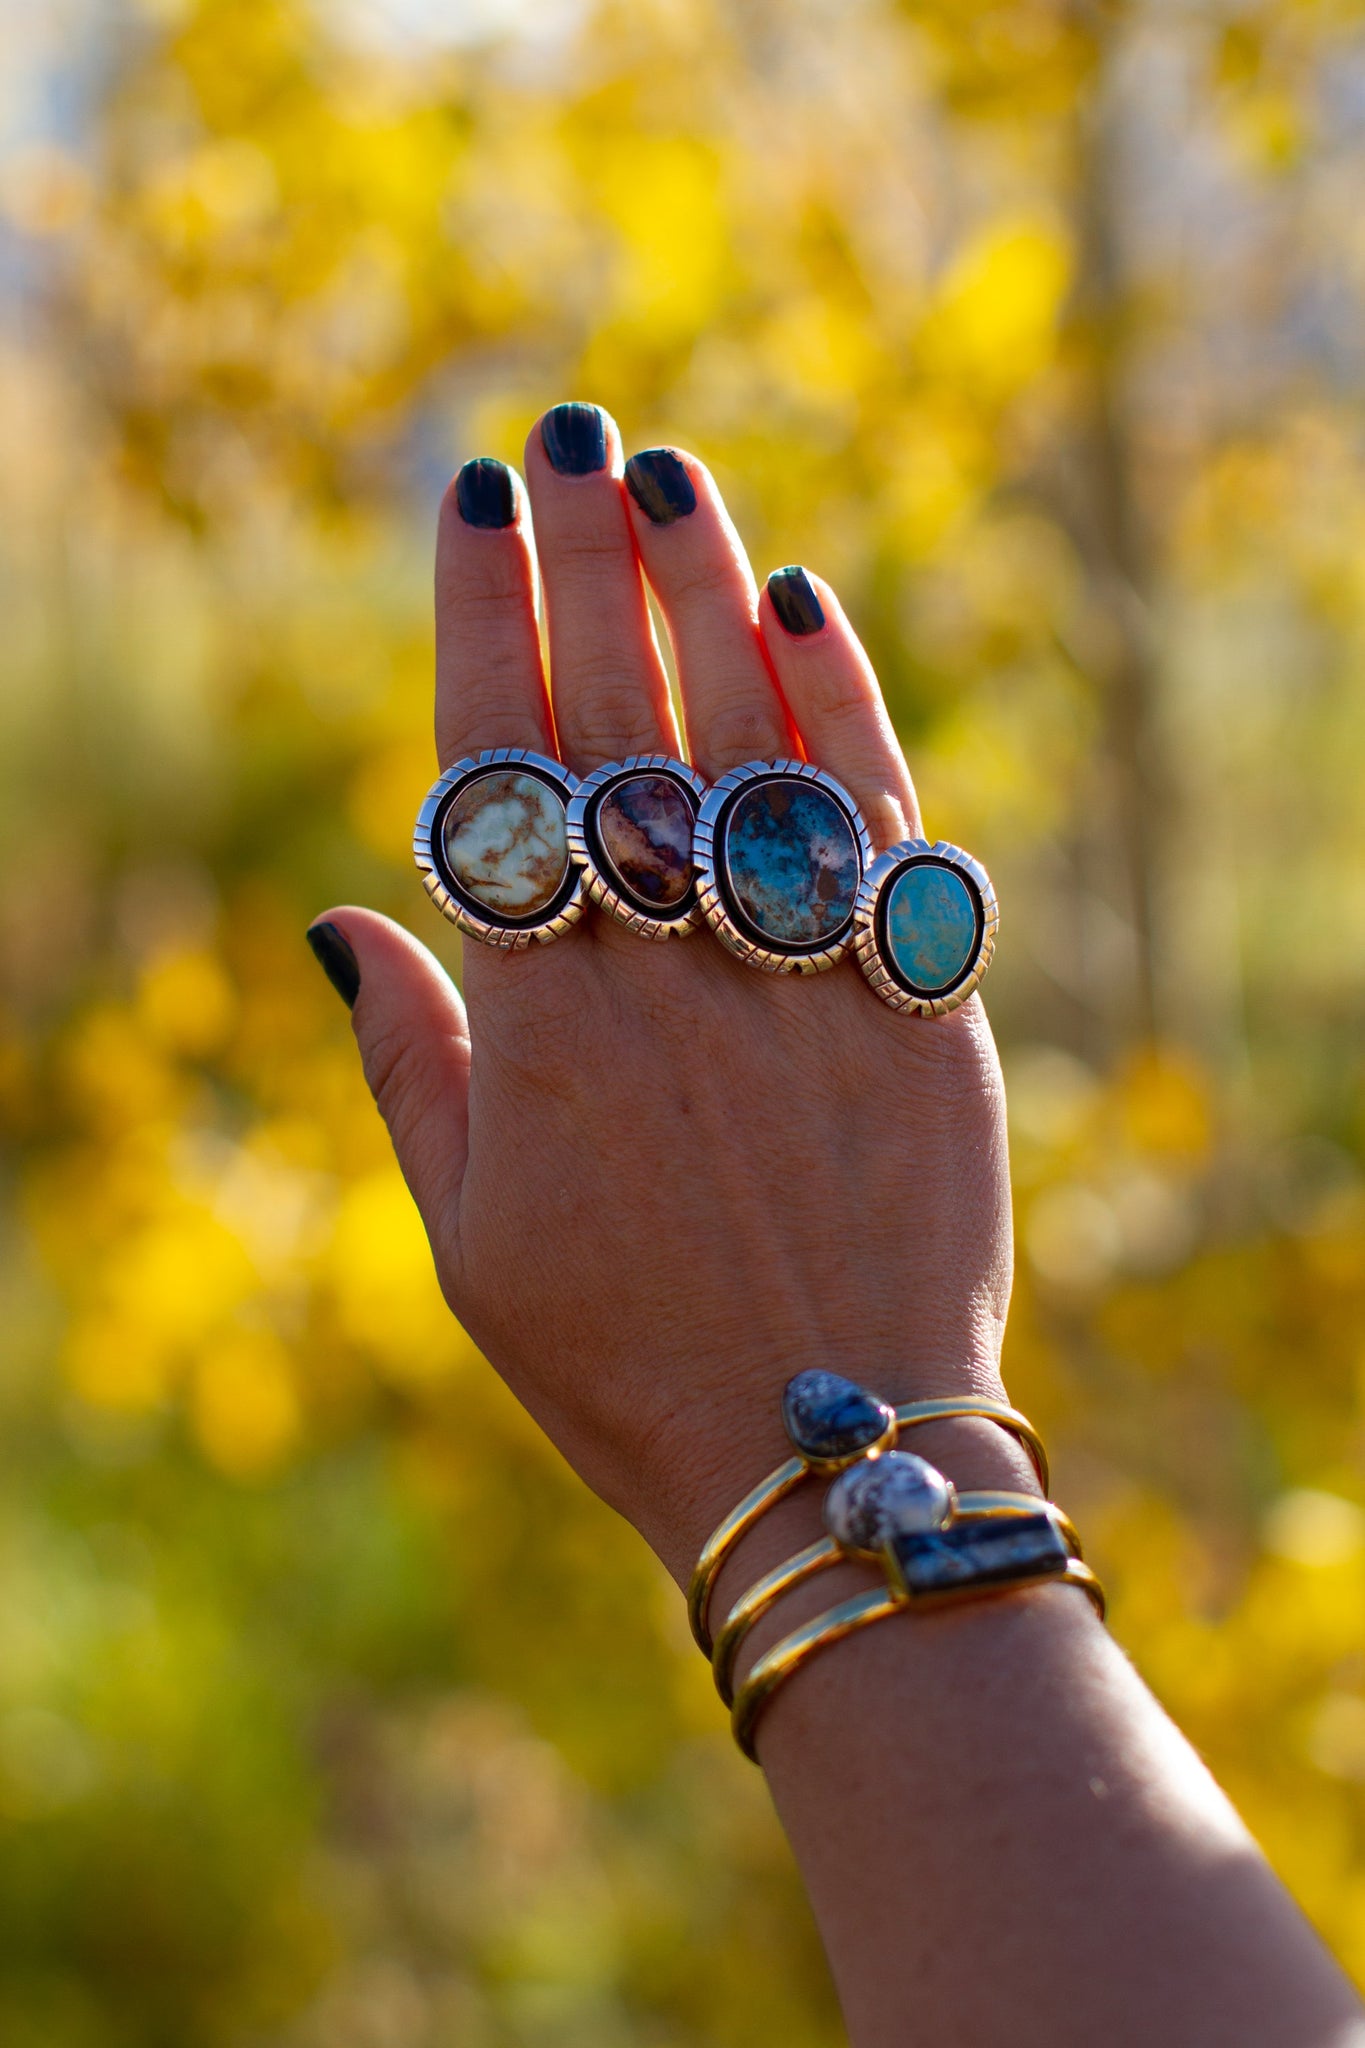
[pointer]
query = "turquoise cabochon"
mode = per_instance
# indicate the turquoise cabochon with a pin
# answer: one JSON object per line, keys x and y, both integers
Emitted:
{"x": 932, "y": 925}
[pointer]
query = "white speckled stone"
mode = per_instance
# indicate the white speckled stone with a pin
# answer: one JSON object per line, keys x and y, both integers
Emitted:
{"x": 506, "y": 842}
{"x": 885, "y": 1497}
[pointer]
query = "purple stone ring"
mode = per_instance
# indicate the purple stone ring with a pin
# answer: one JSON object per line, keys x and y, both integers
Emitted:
{"x": 631, "y": 826}
{"x": 924, "y": 926}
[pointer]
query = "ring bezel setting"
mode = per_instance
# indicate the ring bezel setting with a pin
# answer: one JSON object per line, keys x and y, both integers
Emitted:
{"x": 604, "y": 885}
{"x": 874, "y": 952}
{"x": 477, "y": 919}
{"x": 715, "y": 886}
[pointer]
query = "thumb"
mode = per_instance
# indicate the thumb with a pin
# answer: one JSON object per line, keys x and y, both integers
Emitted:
{"x": 413, "y": 1036}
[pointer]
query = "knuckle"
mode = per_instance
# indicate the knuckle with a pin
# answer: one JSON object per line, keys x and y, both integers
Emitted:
{"x": 499, "y": 593}
{"x": 835, "y": 695}
{"x": 610, "y": 719}
{"x": 705, "y": 579}
{"x": 884, "y": 815}
{"x": 496, "y": 714}
{"x": 592, "y": 554}
{"x": 538, "y": 1067}
{"x": 737, "y": 731}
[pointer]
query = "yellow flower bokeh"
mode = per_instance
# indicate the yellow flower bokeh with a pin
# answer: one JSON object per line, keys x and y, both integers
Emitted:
{"x": 332, "y": 1709}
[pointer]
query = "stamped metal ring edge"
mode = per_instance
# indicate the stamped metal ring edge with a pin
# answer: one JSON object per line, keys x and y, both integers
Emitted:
{"x": 878, "y": 877}
{"x": 457, "y": 908}
{"x": 769, "y": 959}
{"x": 600, "y": 890}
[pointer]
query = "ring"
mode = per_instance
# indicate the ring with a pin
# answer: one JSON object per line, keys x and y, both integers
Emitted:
{"x": 781, "y": 850}
{"x": 492, "y": 845}
{"x": 925, "y": 925}
{"x": 630, "y": 831}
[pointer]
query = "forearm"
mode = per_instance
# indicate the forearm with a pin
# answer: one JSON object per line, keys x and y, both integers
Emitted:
{"x": 1003, "y": 1836}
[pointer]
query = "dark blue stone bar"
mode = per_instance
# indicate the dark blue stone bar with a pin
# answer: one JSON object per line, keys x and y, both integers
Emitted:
{"x": 987, "y": 1553}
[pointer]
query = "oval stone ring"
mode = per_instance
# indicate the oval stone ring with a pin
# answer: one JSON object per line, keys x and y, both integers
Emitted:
{"x": 631, "y": 825}
{"x": 925, "y": 926}
{"x": 781, "y": 850}
{"x": 492, "y": 844}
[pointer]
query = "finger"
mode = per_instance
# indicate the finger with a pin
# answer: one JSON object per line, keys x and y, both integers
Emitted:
{"x": 490, "y": 684}
{"x": 696, "y": 563}
{"x": 607, "y": 676}
{"x": 836, "y": 701}
{"x": 414, "y": 1045}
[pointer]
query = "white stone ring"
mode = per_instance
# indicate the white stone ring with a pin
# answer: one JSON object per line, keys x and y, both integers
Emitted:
{"x": 492, "y": 845}
{"x": 924, "y": 926}
{"x": 631, "y": 826}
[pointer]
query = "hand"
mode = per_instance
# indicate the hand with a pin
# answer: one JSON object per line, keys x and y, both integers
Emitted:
{"x": 656, "y": 1181}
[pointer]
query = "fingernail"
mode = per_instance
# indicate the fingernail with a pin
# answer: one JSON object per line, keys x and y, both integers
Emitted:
{"x": 575, "y": 439}
{"x": 484, "y": 493}
{"x": 334, "y": 954}
{"x": 660, "y": 485}
{"x": 794, "y": 600}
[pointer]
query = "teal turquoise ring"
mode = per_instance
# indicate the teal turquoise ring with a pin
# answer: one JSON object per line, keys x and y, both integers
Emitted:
{"x": 924, "y": 926}
{"x": 631, "y": 826}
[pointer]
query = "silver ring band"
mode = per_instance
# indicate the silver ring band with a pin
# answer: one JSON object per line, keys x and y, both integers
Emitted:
{"x": 781, "y": 850}
{"x": 925, "y": 925}
{"x": 631, "y": 827}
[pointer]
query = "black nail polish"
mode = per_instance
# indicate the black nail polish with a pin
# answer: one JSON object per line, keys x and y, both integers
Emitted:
{"x": 575, "y": 439}
{"x": 333, "y": 952}
{"x": 484, "y": 493}
{"x": 794, "y": 600}
{"x": 660, "y": 485}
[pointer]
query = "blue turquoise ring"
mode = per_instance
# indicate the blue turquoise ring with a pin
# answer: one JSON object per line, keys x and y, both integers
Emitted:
{"x": 492, "y": 846}
{"x": 925, "y": 925}
{"x": 631, "y": 826}
{"x": 781, "y": 851}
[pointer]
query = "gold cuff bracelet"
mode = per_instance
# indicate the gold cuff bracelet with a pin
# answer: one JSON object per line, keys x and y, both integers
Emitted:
{"x": 788, "y": 1476}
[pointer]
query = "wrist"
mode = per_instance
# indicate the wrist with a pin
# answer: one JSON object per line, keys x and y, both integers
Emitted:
{"x": 973, "y": 1452}
{"x": 680, "y": 1506}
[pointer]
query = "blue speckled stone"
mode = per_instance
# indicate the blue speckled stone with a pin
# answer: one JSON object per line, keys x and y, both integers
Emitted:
{"x": 792, "y": 861}
{"x": 886, "y": 1496}
{"x": 930, "y": 925}
{"x": 827, "y": 1416}
{"x": 978, "y": 1553}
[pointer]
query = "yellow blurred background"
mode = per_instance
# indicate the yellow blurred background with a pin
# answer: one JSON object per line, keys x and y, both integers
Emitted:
{"x": 332, "y": 1711}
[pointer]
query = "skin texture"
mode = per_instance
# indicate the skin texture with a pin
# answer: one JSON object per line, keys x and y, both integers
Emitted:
{"x": 657, "y": 1183}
